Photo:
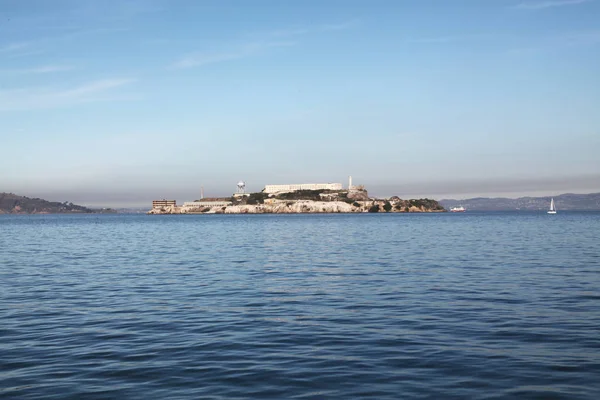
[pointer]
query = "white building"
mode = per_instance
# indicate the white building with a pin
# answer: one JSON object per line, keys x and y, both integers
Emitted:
{"x": 302, "y": 186}
{"x": 200, "y": 204}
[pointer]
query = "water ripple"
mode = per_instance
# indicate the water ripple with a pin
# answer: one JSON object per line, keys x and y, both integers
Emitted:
{"x": 485, "y": 306}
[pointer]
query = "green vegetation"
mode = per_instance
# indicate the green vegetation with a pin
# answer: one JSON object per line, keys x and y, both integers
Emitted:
{"x": 257, "y": 198}
{"x": 387, "y": 206}
{"x": 301, "y": 195}
{"x": 421, "y": 204}
{"x": 426, "y": 204}
{"x": 394, "y": 204}
{"x": 12, "y": 203}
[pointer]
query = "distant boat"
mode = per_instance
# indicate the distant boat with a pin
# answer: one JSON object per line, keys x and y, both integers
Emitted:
{"x": 458, "y": 209}
{"x": 552, "y": 209}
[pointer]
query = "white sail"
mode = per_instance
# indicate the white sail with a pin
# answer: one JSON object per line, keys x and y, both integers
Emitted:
{"x": 552, "y": 207}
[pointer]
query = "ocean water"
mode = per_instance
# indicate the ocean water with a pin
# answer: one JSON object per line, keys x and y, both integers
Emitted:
{"x": 474, "y": 305}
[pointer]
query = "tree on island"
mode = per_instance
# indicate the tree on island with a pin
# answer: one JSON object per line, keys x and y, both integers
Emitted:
{"x": 387, "y": 206}
{"x": 256, "y": 198}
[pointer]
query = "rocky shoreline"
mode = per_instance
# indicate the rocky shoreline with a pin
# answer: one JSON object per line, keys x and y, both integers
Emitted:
{"x": 394, "y": 205}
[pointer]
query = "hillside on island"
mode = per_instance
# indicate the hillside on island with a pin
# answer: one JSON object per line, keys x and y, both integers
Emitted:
{"x": 11, "y": 203}
{"x": 567, "y": 201}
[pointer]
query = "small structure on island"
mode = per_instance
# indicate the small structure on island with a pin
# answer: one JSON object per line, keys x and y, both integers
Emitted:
{"x": 241, "y": 187}
{"x": 164, "y": 203}
{"x": 241, "y": 190}
{"x": 357, "y": 192}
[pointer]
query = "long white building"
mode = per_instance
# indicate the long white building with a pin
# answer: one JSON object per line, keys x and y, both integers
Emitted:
{"x": 302, "y": 186}
{"x": 199, "y": 204}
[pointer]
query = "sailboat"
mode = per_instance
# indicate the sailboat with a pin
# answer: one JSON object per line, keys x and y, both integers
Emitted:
{"x": 552, "y": 209}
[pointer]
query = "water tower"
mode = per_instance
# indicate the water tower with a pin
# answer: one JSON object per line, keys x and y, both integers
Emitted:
{"x": 241, "y": 187}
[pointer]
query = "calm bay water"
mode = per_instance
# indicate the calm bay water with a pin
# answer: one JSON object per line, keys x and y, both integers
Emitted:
{"x": 496, "y": 305}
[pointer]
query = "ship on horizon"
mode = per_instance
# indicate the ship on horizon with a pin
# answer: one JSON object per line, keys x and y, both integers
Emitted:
{"x": 458, "y": 209}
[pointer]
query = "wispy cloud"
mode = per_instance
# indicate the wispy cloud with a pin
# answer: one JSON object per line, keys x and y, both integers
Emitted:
{"x": 95, "y": 87}
{"x": 14, "y": 47}
{"x": 50, "y": 68}
{"x": 44, "y": 97}
{"x": 19, "y": 49}
{"x": 263, "y": 41}
{"x": 456, "y": 38}
{"x": 90, "y": 32}
{"x": 569, "y": 40}
{"x": 310, "y": 29}
{"x": 154, "y": 42}
{"x": 199, "y": 59}
{"x": 541, "y": 5}
{"x": 54, "y": 42}
{"x": 435, "y": 39}
{"x": 339, "y": 26}
{"x": 581, "y": 38}
{"x": 515, "y": 44}
{"x": 43, "y": 69}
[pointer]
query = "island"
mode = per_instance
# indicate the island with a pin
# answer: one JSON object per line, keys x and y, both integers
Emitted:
{"x": 298, "y": 199}
{"x": 11, "y": 203}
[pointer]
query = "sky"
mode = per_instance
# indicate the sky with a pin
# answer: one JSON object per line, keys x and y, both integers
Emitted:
{"x": 118, "y": 102}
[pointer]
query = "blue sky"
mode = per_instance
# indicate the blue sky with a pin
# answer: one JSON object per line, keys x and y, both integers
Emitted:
{"x": 119, "y": 102}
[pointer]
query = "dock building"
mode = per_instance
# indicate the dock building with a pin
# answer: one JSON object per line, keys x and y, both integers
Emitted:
{"x": 163, "y": 203}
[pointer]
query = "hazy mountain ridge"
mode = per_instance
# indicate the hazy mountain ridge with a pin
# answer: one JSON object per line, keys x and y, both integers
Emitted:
{"x": 11, "y": 203}
{"x": 567, "y": 201}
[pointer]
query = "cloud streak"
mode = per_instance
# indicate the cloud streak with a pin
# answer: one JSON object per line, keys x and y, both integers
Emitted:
{"x": 43, "y": 69}
{"x": 54, "y": 42}
{"x": 18, "y": 49}
{"x": 270, "y": 40}
{"x": 559, "y": 42}
{"x": 46, "y": 98}
{"x": 11, "y": 47}
{"x": 435, "y": 40}
{"x": 487, "y": 37}
{"x": 542, "y": 5}
{"x": 200, "y": 59}
{"x": 305, "y": 30}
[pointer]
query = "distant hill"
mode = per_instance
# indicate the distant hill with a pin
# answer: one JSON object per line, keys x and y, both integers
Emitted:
{"x": 13, "y": 204}
{"x": 567, "y": 201}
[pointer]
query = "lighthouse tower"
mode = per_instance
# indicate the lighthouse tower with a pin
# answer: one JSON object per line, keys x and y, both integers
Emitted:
{"x": 350, "y": 182}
